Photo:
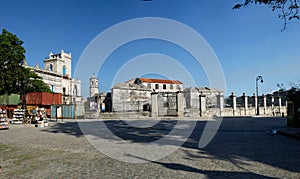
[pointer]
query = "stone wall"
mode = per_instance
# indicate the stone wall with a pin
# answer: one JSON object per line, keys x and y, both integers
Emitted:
{"x": 127, "y": 97}
{"x": 167, "y": 104}
{"x": 266, "y": 105}
{"x": 205, "y": 102}
{"x": 202, "y": 102}
{"x": 192, "y": 102}
{"x": 268, "y": 111}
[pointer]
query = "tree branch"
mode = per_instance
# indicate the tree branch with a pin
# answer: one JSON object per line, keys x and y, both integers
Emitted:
{"x": 289, "y": 8}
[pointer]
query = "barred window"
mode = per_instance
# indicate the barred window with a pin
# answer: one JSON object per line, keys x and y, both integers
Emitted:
{"x": 156, "y": 86}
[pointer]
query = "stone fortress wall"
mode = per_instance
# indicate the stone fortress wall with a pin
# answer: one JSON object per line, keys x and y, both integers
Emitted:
{"x": 137, "y": 98}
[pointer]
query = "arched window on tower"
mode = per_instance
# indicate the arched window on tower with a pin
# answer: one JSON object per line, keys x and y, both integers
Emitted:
{"x": 75, "y": 90}
{"x": 64, "y": 70}
{"x": 51, "y": 67}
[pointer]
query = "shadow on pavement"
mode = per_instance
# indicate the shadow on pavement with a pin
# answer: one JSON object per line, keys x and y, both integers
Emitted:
{"x": 211, "y": 174}
{"x": 70, "y": 128}
{"x": 249, "y": 138}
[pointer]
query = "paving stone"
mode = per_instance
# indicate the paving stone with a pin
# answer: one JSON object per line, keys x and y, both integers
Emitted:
{"x": 243, "y": 148}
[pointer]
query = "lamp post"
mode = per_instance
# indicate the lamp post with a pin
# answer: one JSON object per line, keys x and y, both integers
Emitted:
{"x": 200, "y": 104}
{"x": 258, "y": 78}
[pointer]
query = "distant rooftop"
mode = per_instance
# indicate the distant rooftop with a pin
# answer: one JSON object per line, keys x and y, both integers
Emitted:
{"x": 152, "y": 80}
{"x": 58, "y": 55}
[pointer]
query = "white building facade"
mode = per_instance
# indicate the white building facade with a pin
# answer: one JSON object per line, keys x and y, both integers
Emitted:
{"x": 158, "y": 85}
{"x": 57, "y": 74}
{"x": 135, "y": 94}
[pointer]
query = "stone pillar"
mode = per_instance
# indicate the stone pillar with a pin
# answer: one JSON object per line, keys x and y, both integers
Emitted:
{"x": 180, "y": 105}
{"x": 99, "y": 100}
{"x": 265, "y": 103}
{"x": 256, "y": 103}
{"x": 154, "y": 104}
{"x": 245, "y": 103}
{"x": 279, "y": 103}
{"x": 272, "y": 105}
{"x": 233, "y": 97}
{"x": 221, "y": 103}
{"x": 202, "y": 105}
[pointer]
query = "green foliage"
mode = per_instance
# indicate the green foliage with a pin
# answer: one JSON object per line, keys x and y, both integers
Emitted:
{"x": 289, "y": 94}
{"x": 34, "y": 83}
{"x": 14, "y": 77}
{"x": 288, "y": 9}
{"x": 11, "y": 59}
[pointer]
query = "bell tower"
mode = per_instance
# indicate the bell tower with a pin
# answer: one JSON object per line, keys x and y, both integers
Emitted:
{"x": 94, "y": 89}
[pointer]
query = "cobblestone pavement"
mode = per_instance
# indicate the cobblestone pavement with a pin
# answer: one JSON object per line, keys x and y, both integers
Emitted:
{"x": 242, "y": 148}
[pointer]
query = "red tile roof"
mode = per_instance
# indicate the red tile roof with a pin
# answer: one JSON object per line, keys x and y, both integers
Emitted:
{"x": 151, "y": 80}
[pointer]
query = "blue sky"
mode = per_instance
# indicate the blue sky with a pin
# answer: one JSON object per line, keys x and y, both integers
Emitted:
{"x": 247, "y": 42}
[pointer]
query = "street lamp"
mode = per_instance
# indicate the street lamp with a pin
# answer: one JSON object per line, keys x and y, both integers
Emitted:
{"x": 258, "y": 78}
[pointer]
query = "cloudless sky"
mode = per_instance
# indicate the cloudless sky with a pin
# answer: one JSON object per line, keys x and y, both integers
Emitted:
{"x": 248, "y": 42}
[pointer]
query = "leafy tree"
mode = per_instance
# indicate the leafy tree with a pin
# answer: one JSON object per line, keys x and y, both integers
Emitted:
{"x": 11, "y": 60}
{"x": 288, "y": 8}
{"x": 288, "y": 94}
{"x": 35, "y": 83}
{"x": 14, "y": 77}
